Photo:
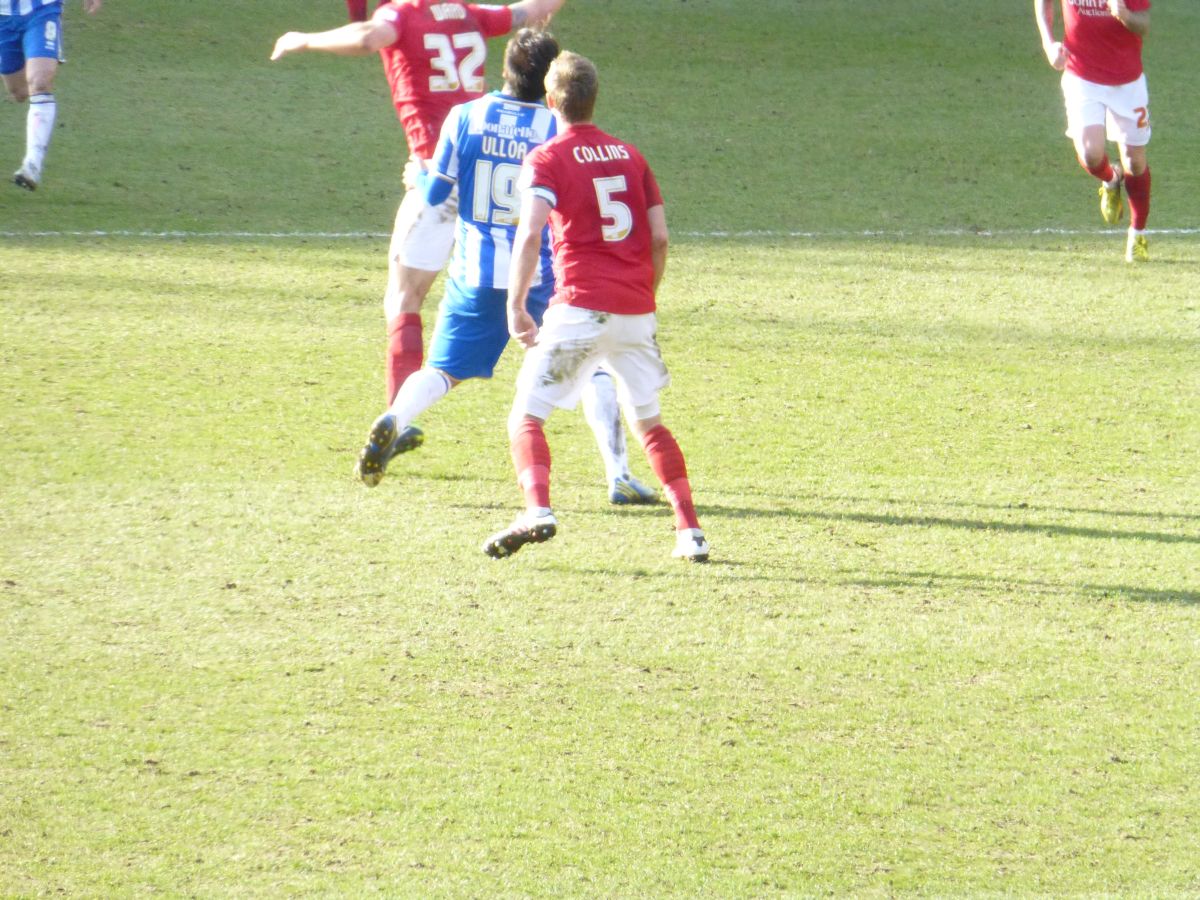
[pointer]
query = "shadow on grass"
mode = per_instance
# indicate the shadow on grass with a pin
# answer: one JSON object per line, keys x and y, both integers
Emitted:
{"x": 948, "y": 522}
{"x": 1007, "y": 507}
{"x": 995, "y": 584}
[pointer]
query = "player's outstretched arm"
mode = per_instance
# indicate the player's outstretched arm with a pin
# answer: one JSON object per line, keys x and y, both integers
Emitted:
{"x": 355, "y": 39}
{"x": 534, "y": 13}
{"x": 1056, "y": 53}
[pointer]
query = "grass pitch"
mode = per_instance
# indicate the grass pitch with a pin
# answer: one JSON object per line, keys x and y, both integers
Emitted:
{"x": 948, "y": 641}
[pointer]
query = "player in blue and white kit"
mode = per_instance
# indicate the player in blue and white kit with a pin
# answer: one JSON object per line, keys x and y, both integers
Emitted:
{"x": 481, "y": 148}
{"x": 30, "y": 50}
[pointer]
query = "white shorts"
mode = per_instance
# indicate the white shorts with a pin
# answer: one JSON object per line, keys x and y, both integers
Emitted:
{"x": 424, "y": 235}
{"x": 1124, "y": 109}
{"x": 573, "y": 342}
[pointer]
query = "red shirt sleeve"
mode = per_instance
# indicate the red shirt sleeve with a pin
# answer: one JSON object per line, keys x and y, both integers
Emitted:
{"x": 392, "y": 14}
{"x": 1137, "y": 5}
{"x": 493, "y": 20}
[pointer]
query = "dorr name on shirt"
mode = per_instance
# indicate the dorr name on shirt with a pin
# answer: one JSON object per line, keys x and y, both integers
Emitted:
{"x": 491, "y": 146}
{"x": 445, "y": 11}
{"x": 603, "y": 153}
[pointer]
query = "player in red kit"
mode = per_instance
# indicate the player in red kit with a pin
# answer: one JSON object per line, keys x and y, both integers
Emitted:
{"x": 609, "y": 234}
{"x": 1106, "y": 97}
{"x": 433, "y": 54}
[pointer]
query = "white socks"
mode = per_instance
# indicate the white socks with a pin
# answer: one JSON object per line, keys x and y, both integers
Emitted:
{"x": 603, "y": 413}
{"x": 39, "y": 128}
{"x": 420, "y": 390}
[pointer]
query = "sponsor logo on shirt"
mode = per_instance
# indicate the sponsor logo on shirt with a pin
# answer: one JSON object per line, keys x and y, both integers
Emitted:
{"x": 1090, "y": 7}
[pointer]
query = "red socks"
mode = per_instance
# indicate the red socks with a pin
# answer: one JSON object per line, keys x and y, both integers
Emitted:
{"x": 357, "y": 10}
{"x": 1104, "y": 170}
{"x": 1137, "y": 189}
{"x": 666, "y": 459}
{"x": 531, "y": 458}
{"x": 405, "y": 353}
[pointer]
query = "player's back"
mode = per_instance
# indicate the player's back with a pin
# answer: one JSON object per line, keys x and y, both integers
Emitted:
{"x": 601, "y": 189}
{"x": 437, "y": 60}
{"x": 483, "y": 145}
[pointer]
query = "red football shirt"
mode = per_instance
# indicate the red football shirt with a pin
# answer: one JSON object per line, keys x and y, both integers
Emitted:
{"x": 600, "y": 189}
{"x": 1102, "y": 50}
{"x": 437, "y": 61}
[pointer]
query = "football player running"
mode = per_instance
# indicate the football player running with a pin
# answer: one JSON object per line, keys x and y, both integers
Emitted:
{"x": 1104, "y": 88}
{"x": 433, "y": 54}
{"x": 610, "y": 241}
{"x": 30, "y": 51}
{"x": 479, "y": 153}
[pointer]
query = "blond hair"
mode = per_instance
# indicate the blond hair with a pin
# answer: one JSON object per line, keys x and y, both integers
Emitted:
{"x": 571, "y": 86}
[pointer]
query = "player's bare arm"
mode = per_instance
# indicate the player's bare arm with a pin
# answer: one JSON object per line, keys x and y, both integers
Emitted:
{"x": 1137, "y": 22}
{"x": 1056, "y": 53}
{"x": 534, "y": 13}
{"x": 355, "y": 39}
{"x": 659, "y": 240}
{"x": 527, "y": 244}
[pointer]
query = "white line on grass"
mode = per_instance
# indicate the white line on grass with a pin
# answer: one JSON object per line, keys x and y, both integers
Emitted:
{"x": 814, "y": 235}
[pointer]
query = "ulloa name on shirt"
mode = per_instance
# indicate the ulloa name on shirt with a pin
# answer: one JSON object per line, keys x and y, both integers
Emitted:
{"x": 445, "y": 11}
{"x": 602, "y": 153}
{"x": 493, "y": 146}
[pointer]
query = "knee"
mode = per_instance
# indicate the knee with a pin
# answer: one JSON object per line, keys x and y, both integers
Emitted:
{"x": 41, "y": 83}
{"x": 517, "y": 419}
{"x": 1135, "y": 163}
{"x": 1091, "y": 157}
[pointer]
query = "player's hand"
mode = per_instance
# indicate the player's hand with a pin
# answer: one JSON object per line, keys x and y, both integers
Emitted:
{"x": 413, "y": 170}
{"x": 91, "y": 6}
{"x": 1118, "y": 9}
{"x": 521, "y": 327}
{"x": 1057, "y": 55}
{"x": 291, "y": 42}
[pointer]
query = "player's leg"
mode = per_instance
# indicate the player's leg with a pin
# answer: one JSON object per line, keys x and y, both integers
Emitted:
{"x": 641, "y": 375}
{"x": 391, "y": 433}
{"x": 420, "y": 246}
{"x": 531, "y": 459}
{"x": 1129, "y": 126}
{"x": 41, "y": 43}
{"x": 468, "y": 339}
{"x": 1137, "y": 188}
{"x": 603, "y": 414}
{"x": 1086, "y": 118}
{"x": 39, "y": 121}
{"x": 552, "y": 375}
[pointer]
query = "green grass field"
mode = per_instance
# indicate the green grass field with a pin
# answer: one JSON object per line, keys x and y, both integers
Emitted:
{"x": 948, "y": 643}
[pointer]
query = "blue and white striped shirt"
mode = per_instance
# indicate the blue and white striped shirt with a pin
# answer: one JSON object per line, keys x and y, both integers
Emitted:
{"x": 22, "y": 7}
{"x": 482, "y": 146}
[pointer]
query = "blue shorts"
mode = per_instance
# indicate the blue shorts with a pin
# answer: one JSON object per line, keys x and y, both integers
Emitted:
{"x": 472, "y": 328}
{"x": 37, "y": 35}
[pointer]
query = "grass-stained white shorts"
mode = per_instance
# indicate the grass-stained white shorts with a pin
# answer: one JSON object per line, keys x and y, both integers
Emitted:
{"x": 1124, "y": 109}
{"x": 573, "y": 342}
